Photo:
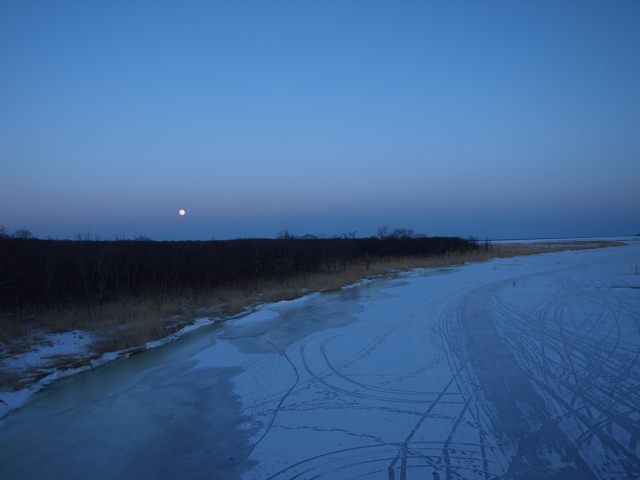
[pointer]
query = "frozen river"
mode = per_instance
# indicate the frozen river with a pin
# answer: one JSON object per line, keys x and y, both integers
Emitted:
{"x": 514, "y": 368}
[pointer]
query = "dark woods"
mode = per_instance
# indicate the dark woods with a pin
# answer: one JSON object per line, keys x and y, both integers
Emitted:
{"x": 58, "y": 273}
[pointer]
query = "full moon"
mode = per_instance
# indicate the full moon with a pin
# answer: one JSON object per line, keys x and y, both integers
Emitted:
{"x": 181, "y": 212}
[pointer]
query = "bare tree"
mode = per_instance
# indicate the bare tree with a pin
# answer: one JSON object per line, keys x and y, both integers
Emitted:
{"x": 285, "y": 235}
{"x": 24, "y": 234}
{"x": 401, "y": 233}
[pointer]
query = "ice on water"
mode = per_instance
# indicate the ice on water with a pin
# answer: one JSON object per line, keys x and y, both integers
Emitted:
{"x": 514, "y": 367}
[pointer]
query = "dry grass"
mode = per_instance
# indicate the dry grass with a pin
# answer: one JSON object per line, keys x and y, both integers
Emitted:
{"x": 226, "y": 302}
{"x": 11, "y": 379}
{"x": 129, "y": 323}
{"x": 118, "y": 325}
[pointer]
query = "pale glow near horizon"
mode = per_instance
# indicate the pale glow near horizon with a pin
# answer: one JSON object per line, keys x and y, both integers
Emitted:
{"x": 501, "y": 120}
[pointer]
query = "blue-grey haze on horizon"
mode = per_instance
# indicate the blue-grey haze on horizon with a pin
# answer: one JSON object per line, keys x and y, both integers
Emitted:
{"x": 493, "y": 119}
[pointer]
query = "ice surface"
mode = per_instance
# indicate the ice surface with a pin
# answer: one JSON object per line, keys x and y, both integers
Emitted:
{"x": 43, "y": 357}
{"x": 514, "y": 368}
{"x": 68, "y": 344}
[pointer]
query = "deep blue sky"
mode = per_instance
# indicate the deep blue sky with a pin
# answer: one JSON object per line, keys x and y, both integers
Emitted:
{"x": 499, "y": 119}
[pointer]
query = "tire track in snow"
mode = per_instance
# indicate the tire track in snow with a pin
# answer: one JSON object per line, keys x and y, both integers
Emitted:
{"x": 518, "y": 406}
{"x": 605, "y": 390}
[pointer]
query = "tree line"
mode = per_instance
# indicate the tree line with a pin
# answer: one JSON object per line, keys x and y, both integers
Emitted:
{"x": 58, "y": 273}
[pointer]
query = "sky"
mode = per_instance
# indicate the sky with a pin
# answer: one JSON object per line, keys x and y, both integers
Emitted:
{"x": 492, "y": 119}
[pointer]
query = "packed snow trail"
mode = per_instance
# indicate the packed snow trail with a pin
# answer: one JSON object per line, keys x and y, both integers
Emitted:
{"x": 513, "y": 368}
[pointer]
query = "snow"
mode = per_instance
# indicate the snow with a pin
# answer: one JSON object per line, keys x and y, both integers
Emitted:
{"x": 520, "y": 367}
{"x": 75, "y": 344}
{"x": 41, "y": 356}
{"x": 68, "y": 343}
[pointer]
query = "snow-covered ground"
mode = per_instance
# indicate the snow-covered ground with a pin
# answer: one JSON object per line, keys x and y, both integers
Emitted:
{"x": 522, "y": 368}
{"x": 43, "y": 359}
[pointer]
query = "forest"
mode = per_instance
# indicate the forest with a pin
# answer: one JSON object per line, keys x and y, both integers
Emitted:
{"x": 57, "y": 273}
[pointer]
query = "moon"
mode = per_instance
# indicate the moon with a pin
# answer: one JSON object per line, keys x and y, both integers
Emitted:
{"x": 182, "y": 212}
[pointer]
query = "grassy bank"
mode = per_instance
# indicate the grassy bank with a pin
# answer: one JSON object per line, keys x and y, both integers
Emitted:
{"x": 130, "y": 322}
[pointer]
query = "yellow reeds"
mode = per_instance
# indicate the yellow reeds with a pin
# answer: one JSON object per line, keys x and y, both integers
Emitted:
{"x": 130, "y": 322}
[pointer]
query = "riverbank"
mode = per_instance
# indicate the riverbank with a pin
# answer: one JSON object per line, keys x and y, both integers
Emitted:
{"x": 60, "y": 344}
{"x": 392, "y": 376}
